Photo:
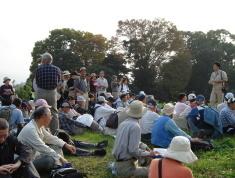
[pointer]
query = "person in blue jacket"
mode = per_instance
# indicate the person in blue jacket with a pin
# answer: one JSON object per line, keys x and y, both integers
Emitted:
{"x": 165, "y": 129}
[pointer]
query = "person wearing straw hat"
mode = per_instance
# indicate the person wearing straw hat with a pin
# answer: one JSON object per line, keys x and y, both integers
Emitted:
{"x": 171, "y": 165}
{"x": 128, "y": 147}
{"x": 165, "y": 128}
{"x": 6, "y": 91}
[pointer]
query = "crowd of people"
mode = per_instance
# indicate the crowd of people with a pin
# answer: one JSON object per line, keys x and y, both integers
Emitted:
{"x": 69, "y": 103}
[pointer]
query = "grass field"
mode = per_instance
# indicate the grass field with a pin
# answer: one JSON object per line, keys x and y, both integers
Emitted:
{"x": 219, "y": 163}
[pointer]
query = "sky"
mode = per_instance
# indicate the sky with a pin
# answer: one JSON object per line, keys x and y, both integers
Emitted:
{"x": 23, "y": 22}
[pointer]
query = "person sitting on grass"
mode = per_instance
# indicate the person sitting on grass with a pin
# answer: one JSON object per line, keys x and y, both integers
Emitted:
{"x": 102, "y": 111}
{"x": 171, "y": 165}
{"x": 9, "y": 147}
{"x": 75, "y": 125}
{"x": 197, "y": 122}
{"x": 225, "y": 103}
{"x": 122, "y": 101}
{"x": 165, "y": 128}
{"x": 181, "y": 119}
{"x": 227, "y": 116}
{"x": 128, "y": 147}
{"x": 180, "y": 105}
{"x": 147, "y": 121}
{"x": 35, "y": 135}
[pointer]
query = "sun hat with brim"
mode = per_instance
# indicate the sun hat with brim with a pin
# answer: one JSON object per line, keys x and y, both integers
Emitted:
{"x": 82, "y": 69}
{"x": 66, "y": 72}
{"x": 41, "y": 102}
{"x": 6, "y": 79}
{"x": 168, "y": 109}
{"x": 180, "y": 150}
{"x": 102, "y": 99}
{"x": 135, "y": 109}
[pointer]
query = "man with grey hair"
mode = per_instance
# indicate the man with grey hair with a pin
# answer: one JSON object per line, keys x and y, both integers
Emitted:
{"x": 47, "y": 79}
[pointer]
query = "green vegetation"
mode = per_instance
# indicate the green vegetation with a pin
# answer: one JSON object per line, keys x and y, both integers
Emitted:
{"x": 219, "y": 163}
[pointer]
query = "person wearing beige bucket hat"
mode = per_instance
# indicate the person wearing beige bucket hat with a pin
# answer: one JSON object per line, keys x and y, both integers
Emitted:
{"x": 128, "y": 147}
{"x": 171, "y": 165}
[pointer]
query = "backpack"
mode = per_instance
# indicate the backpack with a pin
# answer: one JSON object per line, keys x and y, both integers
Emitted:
{"x": 67, "y": 173}
{"x": 5, "y": 113}
{"x": 64, "y": 136}
{"x": 112, "y": 121}
{"x": 201, "y": 145}
{"x": 92, "y": 110}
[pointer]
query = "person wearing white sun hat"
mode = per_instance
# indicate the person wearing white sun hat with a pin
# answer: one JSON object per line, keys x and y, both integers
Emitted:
{"x": 171, "y": 165}
{"x": 128, "y": 147}
{"x": 225, "y": 103}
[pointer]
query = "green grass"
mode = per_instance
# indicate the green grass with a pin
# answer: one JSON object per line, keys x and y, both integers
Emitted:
{"x": 218, "y": 163}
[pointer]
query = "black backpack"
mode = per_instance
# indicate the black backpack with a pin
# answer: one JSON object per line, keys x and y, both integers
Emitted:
{"x": 92, "y": 110}
{"x": 67, "y": 173}
{"x": 112, "y": 121}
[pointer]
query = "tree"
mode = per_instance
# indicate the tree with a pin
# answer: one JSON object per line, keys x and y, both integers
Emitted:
{"x": 175, "y": 76}
{"x": 207, "y": 48}
{"x": 71, "y": 49}
{"x": 146, "y": 45}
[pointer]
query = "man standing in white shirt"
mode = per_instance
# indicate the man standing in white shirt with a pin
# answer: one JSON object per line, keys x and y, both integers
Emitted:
{"x": 35, "y": 135}
{"x": 102, "y": 84}
{"x": 217, "y": 80}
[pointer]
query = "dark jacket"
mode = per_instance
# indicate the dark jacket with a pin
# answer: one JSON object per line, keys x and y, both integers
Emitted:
{"x": 12, "y": 146}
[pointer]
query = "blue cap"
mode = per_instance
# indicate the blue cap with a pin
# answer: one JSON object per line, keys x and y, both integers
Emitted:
{"x": 200, "y": 98}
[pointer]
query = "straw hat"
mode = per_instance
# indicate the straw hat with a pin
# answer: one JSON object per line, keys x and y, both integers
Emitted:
{"x": 168, "y": 109}
{"x": 180, "y": 150}
{"x": 135, "y": 109}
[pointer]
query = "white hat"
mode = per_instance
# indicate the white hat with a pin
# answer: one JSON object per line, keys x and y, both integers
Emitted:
{"x": 229, "y": 96}
{"x": 102, "y": 99}
{"x": 180, "y": 150}
{"x": 109, "y": 95}
{"x": 81, "y": 98}
{"x": 135, "y": 109}
{"x": 66, "y": 72}
{"x": 168, "y": 109}
{"x": 192, "y": 96}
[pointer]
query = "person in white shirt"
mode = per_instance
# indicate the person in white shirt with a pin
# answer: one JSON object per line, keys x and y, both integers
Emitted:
{"x": 181, "y": 104}
{"x": 102, "y": 84}
{"x": 225, "y": 103}
{"x": 180, "y": 119}
{"x": 102, "y": 111}
{"x": 35, "y": 135}
{"x": 147, "y": 121}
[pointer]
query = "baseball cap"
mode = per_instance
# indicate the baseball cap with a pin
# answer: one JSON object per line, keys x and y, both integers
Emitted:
{"x": 192, "y": 97}
{"x": 229, "y": 96}
{"x": 65, "y": 105}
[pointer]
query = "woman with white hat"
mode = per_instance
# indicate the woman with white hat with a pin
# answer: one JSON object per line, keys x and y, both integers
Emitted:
{"x": 171, "y": 165}
{"x": 165, "y": 128}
